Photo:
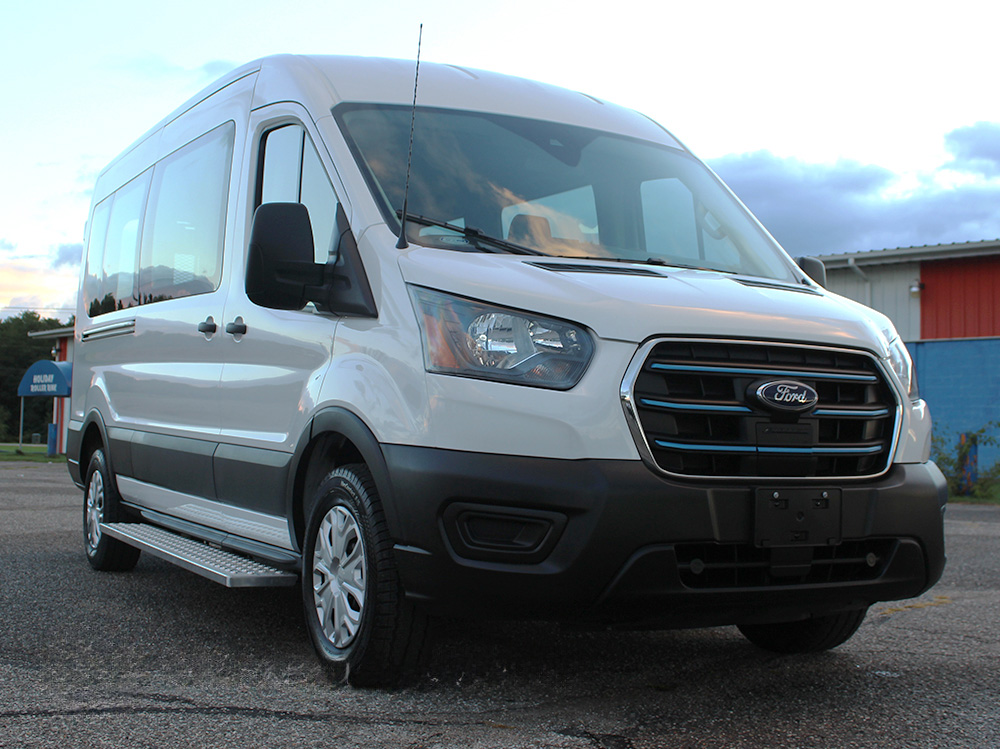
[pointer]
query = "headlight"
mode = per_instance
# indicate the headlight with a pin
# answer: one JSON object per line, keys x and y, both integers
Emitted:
{"x": 471, "y": 339}
{"x": 899, "y": 360}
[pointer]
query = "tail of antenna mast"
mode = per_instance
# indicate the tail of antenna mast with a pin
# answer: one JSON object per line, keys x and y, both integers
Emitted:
{"x": 401, "y": 243}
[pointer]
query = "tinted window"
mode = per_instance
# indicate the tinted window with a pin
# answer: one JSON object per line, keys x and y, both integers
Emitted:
{"x": 184, "y": 234}
{"x": 316, "y": 193}
{"x": 115, "y": 288}
{"x": 293, "y": 173}
{"x": 93, "y": 282}
{"x": 282, "y": 163}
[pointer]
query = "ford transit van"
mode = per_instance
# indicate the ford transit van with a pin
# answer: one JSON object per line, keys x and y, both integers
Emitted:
{"x": 554, "y": 369}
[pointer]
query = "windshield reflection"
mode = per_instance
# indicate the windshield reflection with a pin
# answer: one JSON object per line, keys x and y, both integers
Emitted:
{"x": 555, "y": 189}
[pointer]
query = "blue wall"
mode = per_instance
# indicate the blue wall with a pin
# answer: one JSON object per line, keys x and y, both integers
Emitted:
{"x": 960, "y": 380}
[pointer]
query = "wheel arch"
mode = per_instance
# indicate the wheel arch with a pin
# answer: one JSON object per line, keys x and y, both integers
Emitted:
{"x": 94, "y": 436}
{"x": 335, "y": 437}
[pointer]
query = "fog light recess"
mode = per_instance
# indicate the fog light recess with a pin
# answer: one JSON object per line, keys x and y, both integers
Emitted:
{"x": 502, "y": 534}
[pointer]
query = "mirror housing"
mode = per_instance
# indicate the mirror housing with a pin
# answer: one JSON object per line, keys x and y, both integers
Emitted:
{"x": 814, "y": 268}
{"x": 282, "y": 272}
{"x": 280, "y": 260}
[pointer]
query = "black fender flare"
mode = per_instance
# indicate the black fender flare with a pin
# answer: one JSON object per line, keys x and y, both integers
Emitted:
{"x": 76, "y": 447}
{"x": 340, "y": 421}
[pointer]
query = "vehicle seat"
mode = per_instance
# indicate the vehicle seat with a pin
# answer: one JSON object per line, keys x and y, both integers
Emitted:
{"x": 526, "y": 229}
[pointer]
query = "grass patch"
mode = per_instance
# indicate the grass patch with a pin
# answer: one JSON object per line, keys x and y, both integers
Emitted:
{"x": 990, "y": 498}
{"x": 30, "y": 453}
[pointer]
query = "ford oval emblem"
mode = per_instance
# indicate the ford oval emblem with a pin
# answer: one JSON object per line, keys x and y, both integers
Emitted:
{"x": 787, "y": 395}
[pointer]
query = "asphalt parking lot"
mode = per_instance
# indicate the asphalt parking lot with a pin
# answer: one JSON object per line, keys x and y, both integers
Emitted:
{"x": 159, "y": 657}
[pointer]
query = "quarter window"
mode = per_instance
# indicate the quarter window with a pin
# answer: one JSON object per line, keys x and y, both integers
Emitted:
{"x": 93, "y": 284}
{"x": 114, "y": 244}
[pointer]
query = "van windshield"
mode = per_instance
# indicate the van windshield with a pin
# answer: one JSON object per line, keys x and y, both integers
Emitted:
{"x": 553, "y": 189}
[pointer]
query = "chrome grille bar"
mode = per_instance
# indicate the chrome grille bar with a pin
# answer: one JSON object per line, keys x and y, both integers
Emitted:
{"x": 692, "y": 409}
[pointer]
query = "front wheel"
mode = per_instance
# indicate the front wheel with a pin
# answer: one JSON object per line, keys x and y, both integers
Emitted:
{"x": 805, "y": 636}
{"x": 101, "y": 504}
{"x": 362, "y": 626}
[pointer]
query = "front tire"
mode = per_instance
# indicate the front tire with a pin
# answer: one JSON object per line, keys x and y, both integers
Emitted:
{"x": 806, "y": 636}
{"x": 361, "y": 625}
{"x": 102, "y": 504}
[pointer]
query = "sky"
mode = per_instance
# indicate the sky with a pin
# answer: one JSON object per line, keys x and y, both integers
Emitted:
{"x": 844, "y": 127}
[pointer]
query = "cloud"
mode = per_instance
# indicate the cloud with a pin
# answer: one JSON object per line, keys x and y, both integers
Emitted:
{"x": 976, "y": 148}
{"x": 68, "y": 254}
{"x": 29, "y": 285}
{"x": 6, "y": 244}
{"x": 215, "y": 69}
{"x": 152, "y": 67}
{"x": 847, "y": 206}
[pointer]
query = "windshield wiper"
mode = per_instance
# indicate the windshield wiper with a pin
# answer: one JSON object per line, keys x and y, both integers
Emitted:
{"x": 476, "y": 236}
{"x": 659, "y": 262}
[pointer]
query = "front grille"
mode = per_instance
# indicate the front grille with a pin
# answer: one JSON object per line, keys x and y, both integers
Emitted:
{"x": 697, "y": 416}
{"x": 711, "y": 565}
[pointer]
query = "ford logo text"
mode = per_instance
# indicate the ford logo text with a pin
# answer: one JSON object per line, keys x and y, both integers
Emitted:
{"x": 787, "y": 395}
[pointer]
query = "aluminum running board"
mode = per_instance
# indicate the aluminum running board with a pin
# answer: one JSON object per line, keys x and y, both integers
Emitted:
{"x": 218, "y": 565}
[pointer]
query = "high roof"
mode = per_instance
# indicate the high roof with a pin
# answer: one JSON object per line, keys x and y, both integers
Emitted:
{"x": 323, "y": 81}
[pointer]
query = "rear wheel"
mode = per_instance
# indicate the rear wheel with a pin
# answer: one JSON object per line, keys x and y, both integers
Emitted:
{"x": 360, "y": 622}
{"x": 102, "y": 504}
{"x": 805, "y": 636}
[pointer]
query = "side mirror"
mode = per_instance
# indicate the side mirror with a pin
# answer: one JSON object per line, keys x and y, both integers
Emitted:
{"x": 814, "y": 268}
{"x": 281, "y": 271}
{"x": 280, "y": 262}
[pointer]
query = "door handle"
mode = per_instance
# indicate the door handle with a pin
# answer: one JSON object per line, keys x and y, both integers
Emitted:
{"x": 208, "y": 327}
{"x": 237, "y": 327}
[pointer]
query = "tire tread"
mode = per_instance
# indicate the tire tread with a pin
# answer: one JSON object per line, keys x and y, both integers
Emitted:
{"x": 805, "y": 636}
{"x": 400, "y": 632}
{"x": 111, "y": 554}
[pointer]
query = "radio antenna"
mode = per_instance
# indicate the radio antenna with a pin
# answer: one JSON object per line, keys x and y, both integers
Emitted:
{"x": 401, "y": 243}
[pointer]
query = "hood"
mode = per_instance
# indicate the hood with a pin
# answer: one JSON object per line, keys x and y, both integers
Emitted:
{"x": 634, "y": 302}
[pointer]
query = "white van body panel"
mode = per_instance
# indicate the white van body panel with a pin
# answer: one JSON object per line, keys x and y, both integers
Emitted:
{"x": 686, "y": 302}
{"x": 543, "y": 399}
{"x": 161, "y": 353}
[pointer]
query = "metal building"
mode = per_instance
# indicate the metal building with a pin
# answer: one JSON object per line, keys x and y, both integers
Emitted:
{"x": 935, "y": 292}
{"x": 945, "y": 303}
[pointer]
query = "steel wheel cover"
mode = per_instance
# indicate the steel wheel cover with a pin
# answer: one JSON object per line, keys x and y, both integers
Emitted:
{"x": 95, "y": 509}
{"x": 339, "y": 576}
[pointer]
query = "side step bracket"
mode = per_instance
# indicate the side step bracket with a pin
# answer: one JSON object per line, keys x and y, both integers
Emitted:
{"x": 218, "y": 565}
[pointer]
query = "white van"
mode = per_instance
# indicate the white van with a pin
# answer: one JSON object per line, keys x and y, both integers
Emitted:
{"x": 580, "y": 381}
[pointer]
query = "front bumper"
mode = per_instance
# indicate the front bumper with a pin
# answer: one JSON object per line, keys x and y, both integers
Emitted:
{"x": 611, "y": 541}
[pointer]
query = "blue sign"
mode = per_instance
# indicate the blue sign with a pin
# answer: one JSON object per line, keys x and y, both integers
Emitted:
{"x": 47, "y": 377}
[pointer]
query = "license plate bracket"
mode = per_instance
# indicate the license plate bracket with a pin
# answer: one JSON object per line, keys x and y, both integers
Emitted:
{"x": 797, "y": 517}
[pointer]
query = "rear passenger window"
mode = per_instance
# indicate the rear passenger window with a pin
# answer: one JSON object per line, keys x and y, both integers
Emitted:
{"x": 114, "y": 244}
{"x": 182, "y": 234}
{"x": 292, "y": 172}
{"x": 183, "y": 239}
{"x": 93, "y": 282}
